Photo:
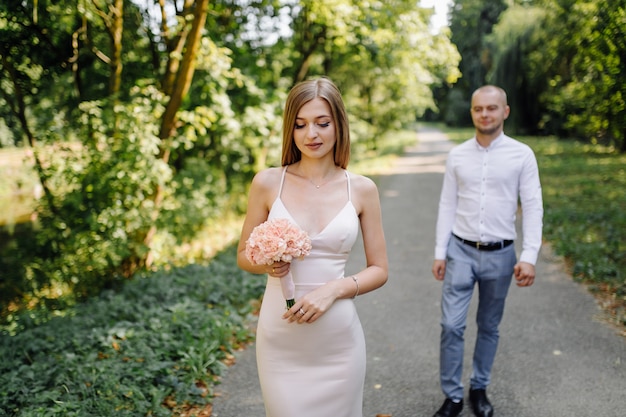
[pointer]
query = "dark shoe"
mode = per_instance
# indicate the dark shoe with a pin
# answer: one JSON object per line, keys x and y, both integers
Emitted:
{"x": 449, "y": 409}
{"x": 480, "y": 404}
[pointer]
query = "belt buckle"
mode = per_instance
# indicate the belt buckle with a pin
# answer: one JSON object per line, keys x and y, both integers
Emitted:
{"x": 477, "y": 245}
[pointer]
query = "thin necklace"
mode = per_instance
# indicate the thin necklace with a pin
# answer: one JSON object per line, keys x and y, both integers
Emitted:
{"x": 317, "y": 186}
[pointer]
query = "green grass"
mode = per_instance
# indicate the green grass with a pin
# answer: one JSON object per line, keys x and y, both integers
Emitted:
{"x": 584, "y": 190}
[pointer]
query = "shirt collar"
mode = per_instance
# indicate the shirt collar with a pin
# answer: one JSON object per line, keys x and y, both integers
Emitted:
{"x": 493, "y": 143}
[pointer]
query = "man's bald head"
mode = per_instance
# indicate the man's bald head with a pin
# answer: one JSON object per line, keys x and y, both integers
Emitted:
{"x": 491, "y": 89}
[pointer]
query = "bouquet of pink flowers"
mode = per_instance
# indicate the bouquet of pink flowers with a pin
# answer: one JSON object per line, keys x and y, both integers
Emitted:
{"x": 278, "y": 240}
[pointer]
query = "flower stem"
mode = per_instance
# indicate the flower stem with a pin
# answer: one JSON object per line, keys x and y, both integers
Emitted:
{"x": 290, "y": 303}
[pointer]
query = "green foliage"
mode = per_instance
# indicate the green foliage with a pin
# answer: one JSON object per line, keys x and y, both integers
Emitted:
{"x": 457, "y": 108}
{"x": 588, "y": 83}
{"x": 516, "y": 65}
{"x": 123, "y": 185}
{"x": 584, "y": 188}
{"x": 163, "y": 336}
{"x": 33, "y": 61}
{"x": 560, "y": 61}
{"x": 101, "y": 208}
{"x": 471, "y": 22}
{"x": 397, "y": 58}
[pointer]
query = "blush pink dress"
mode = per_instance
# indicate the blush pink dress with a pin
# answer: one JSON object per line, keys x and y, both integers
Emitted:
{"x": 313, "y": 369}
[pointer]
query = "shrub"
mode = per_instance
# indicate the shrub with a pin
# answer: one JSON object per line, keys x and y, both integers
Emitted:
{"x": 159, "y": 342}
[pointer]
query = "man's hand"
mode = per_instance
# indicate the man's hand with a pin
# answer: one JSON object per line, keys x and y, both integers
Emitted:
{"x": 524, "y": 274}
{"x": 439, "y": 269}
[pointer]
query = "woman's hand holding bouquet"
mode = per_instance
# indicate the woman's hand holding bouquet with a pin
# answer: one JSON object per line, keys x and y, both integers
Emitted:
{"x": 278, "y": 240}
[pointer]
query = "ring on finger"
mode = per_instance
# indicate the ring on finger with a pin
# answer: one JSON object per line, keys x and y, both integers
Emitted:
{"x": 301, "y": 311}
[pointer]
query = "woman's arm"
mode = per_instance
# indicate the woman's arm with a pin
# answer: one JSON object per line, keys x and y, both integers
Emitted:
{"x": 259, "y": 202}
{"x": 367, "y": 202}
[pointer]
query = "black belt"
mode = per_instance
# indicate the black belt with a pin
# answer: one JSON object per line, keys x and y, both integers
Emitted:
{"x": 487, "y": 246}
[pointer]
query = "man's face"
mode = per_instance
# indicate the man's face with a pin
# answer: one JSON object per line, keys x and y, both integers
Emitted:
{"x": 489, "y": 111}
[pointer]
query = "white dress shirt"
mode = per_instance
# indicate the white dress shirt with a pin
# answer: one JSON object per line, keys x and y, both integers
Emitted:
{"x": 479, "y": 197}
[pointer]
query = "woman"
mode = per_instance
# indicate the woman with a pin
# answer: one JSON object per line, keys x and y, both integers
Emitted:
{"x": 311, "y": 357}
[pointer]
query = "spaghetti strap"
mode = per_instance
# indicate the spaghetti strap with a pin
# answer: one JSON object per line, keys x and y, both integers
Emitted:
{"x": 349, "y": 190}
{"x": 282, "y": 181}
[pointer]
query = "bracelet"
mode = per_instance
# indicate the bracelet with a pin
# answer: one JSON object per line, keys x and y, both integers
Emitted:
{"x": 356, "y": 281}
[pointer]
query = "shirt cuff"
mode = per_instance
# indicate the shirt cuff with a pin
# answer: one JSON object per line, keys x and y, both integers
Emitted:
{"x": 529, "y": 256}
{"x": 440, "y": 253}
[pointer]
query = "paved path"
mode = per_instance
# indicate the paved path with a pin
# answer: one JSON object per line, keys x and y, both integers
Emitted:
{"x": 556, "y": 356}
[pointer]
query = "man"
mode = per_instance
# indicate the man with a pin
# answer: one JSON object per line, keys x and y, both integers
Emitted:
{"x": 475, "y": 231}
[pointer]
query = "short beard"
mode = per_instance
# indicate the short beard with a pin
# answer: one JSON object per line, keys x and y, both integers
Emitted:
{"x": 490, "y": 131}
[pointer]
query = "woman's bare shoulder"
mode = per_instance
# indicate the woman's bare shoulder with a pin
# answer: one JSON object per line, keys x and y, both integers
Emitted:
{"x": 268, "y": 178}
{"x": 362, "y": 184}
{"x": 364, "y": 193}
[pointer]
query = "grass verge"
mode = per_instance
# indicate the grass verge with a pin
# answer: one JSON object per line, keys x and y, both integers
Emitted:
{"x": 584, "y": 191}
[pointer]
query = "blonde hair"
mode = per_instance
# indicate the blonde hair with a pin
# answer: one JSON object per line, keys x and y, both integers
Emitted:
{"x": 301, "y": 94}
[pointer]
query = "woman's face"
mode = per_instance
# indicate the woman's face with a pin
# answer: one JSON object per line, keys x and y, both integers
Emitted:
{"x": 314, "y": 130}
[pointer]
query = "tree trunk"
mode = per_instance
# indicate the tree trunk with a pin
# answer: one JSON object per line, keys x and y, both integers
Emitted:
{"x": 116, "y": 29}
{"x": 181, "y": 86}
{"x": 175, "y": 46}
